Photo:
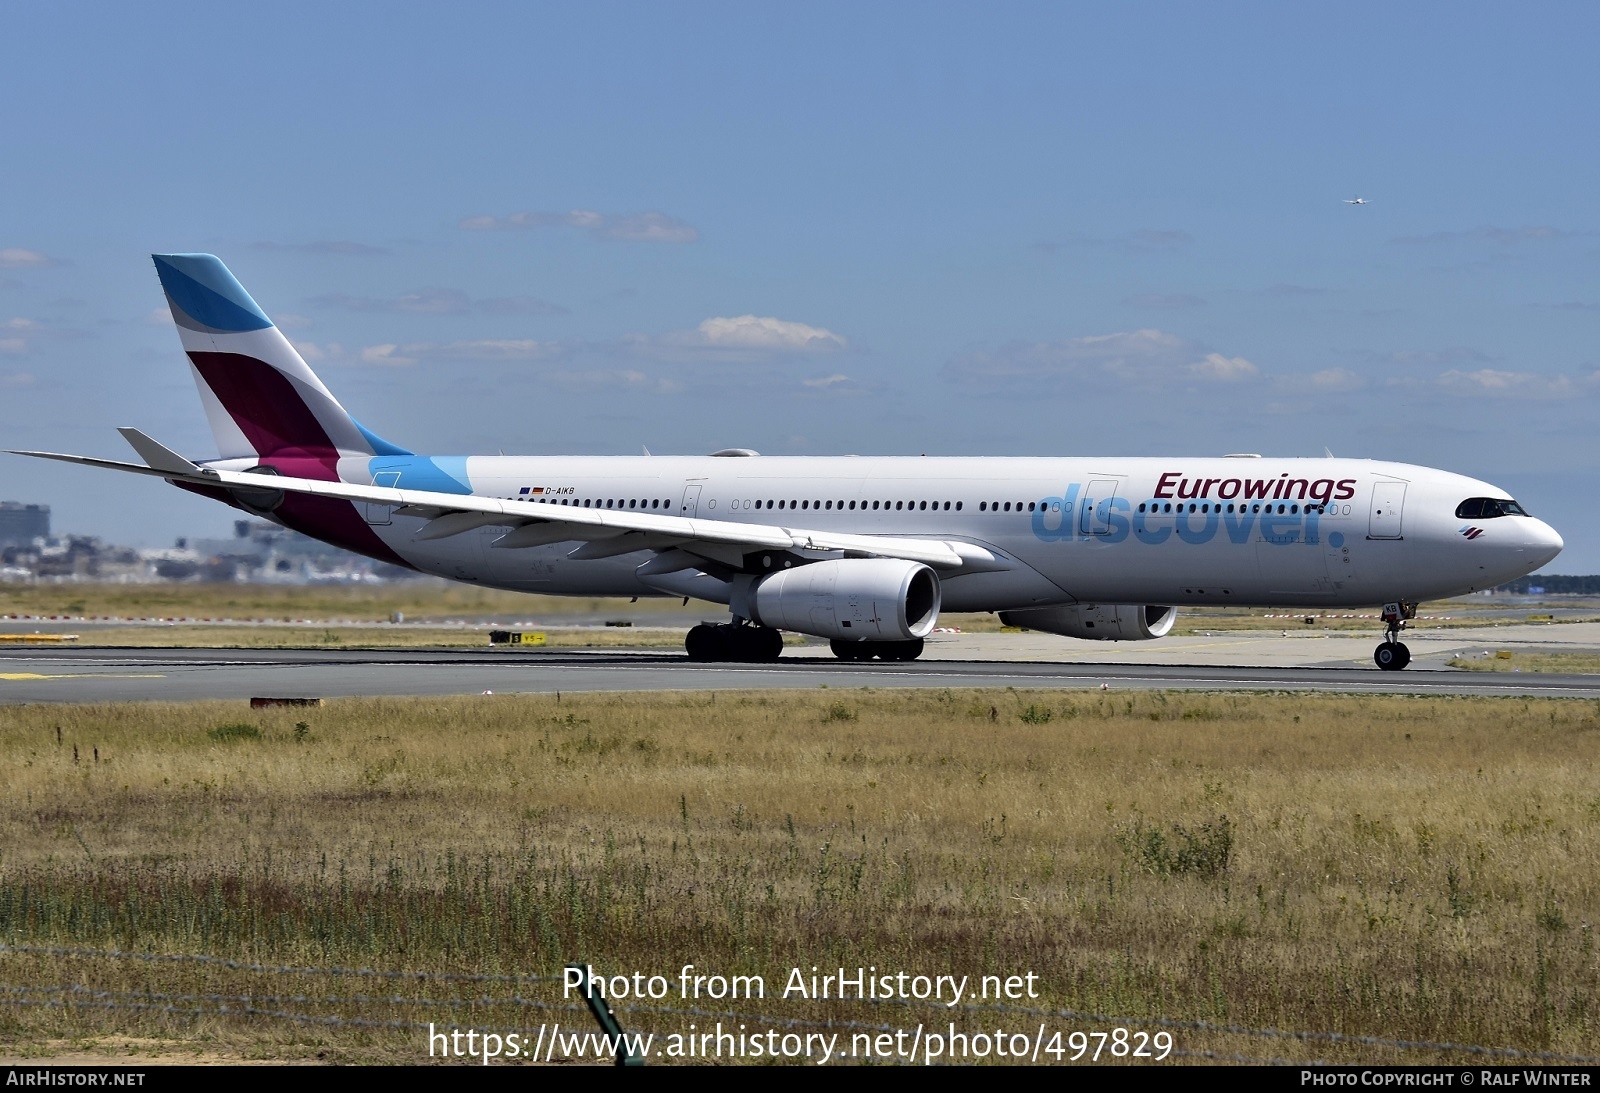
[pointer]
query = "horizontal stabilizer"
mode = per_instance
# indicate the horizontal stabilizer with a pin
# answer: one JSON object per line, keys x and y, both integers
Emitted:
{"x": 158, "y": 455}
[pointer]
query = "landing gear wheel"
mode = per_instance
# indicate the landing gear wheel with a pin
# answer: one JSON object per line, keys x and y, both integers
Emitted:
{"x": 886, "y": 650}
{"x": 740, "y": 644}
{"x": 1391, "y": 656}
{"x": 702, "y": 643}
{"x": 768, "y": 645}
{"x": 850, "y": 650}
{"x": 903, "y": 650}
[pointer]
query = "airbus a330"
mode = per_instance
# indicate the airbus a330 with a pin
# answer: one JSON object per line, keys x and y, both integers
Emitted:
{"x": 863, "y": 551}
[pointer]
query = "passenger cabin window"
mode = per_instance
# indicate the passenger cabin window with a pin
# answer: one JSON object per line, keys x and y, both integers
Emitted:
{"x": 1487, "y": 508}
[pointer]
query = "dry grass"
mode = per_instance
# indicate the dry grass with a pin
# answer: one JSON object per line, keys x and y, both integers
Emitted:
{"x": 334, "y": 636}
{"x": 1418, "y": 869}
{"x": 427, "y": 598}
{"x": 434, "y": 598}
{"x": 1506, "y": 661}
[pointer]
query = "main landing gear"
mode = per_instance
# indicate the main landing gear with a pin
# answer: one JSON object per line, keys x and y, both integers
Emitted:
{"x": 1392, "y": 655}
{"x": 866, "y": 650}
{"x": 731, "y": 641}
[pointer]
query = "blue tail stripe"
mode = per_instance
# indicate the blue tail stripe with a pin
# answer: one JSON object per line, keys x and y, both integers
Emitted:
{"x": 438, "y": 474}
{"x": 380, "y": 446}
{"x": 202, "y": 286}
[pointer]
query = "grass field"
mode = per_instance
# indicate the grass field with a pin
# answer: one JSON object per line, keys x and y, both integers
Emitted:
{"x": 437, "y": 599}
{"x": 424, "y": 598}
{"x": 334, "y": 636}
{"x": 1507, "y": 661}
{"x": 1403, "y": 868}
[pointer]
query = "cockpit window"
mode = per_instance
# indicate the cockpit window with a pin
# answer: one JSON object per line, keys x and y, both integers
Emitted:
{"x": 1487, "y": 508}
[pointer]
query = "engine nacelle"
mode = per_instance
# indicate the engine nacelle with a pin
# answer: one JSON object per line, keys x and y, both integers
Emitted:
{"x": 1097, "y": 621}
{"x": 874, "y": 599}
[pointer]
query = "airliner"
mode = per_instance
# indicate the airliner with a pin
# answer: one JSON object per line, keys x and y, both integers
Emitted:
{"x": 863, "y": 551}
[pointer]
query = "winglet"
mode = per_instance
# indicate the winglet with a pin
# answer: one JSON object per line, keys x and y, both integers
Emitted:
{"x": 160, "y": 457}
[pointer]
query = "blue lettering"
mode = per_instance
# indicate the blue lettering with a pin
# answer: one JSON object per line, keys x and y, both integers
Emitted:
{"x": 1062, "y": 525}
{"x": 1142, "y": 530}
{"x": 1238, "y": 524}
{"x": 1195, "y": 536}
{"x": 1195, "y": 528}
{"x": 1117, "y": 525}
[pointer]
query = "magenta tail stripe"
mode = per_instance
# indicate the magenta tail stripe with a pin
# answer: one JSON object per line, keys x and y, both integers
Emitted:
{"x": 269, "y": 411}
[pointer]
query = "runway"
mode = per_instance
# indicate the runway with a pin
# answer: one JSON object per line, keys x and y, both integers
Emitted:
{"x": 32, "y": 675}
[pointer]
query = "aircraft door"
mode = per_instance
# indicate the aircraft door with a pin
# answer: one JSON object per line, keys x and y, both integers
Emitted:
{"x": 1388, "y": 506}
{"x": 377, "y": 514}
{"x": 1097, "y": 507}
{"x": 691, "y": 500}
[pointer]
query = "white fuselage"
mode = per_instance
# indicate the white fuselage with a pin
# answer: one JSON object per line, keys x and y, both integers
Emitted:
{"x": 1249, "y": 531}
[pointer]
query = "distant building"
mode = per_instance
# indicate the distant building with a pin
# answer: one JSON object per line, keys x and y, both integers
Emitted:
{"x": 21, "y": 524}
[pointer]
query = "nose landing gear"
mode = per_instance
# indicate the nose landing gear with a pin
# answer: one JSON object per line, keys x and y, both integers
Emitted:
{"x": 1392, "y": 655}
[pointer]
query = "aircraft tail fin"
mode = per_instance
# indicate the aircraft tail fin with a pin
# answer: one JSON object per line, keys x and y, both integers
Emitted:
{"x": 263, "y": 401}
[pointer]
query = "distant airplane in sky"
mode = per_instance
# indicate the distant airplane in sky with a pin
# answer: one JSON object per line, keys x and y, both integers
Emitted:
{"x": 863, "y": 551}
{"x": 1355, "y": 201}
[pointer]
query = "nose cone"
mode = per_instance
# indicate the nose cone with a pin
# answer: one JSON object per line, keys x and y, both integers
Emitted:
{"x": 1541, "y": 543}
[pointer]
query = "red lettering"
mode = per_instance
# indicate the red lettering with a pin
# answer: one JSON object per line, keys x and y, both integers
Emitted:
{"x": 1255, "y": 488}
{"x": 1164, "y": 486}
{"x": 1347, "y": 489}
{"x": 1228, "y": 489}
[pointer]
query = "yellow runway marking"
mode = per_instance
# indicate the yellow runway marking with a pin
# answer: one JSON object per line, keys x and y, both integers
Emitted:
{"x": 80, "y": 675}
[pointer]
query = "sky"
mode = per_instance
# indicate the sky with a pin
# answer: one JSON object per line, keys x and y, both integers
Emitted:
{"x": 955, "y": 229}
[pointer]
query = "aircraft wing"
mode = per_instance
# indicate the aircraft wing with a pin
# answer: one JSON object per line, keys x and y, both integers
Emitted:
{"x": 603, "y": 532}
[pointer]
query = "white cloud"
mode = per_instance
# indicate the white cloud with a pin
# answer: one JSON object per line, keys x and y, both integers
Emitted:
{"x": 1433, "y": 358}
{"x": 1141, "y": 358}
{"x": 612, "y": 379}
{"x": 394, "y": 354}
{"x": 758, "y": 332}
{"x": 1337, "y": 379}
{"x": 385, "y": 354}
{"x": 15, "y": 335}
{"x": 823, "y": 383}
{"x": 18, "y": 258}
{"x": 1227, "y": 369}
{"x": 1494, "y": 383}
{"x": 313, "y": 352}
{"x": 645, "y": 227}
{"x": 492, "y": 349}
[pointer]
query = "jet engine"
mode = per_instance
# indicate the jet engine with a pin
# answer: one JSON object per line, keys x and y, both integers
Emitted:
{"x": 1097, "y": 621}
{"x": 874, "y": 599}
